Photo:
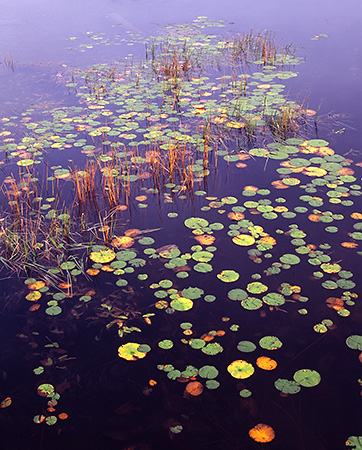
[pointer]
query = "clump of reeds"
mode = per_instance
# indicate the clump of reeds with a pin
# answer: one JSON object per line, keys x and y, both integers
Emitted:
{"x": 9, "y": 61}
{"x": 257, "y": 46}
{"x": 286, "y": 121}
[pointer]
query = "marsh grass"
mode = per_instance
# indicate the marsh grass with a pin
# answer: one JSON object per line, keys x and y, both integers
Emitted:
{"x": 9, "y": 61}
{"x": 102, "y": 189}
{"x": 261, "y": 46}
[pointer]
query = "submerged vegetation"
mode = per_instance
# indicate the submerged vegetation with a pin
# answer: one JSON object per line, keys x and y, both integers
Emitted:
{"x": 152, "y": 209}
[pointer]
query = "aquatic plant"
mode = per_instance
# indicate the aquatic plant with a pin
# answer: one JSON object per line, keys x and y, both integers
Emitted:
{"x": 143, "y": 245}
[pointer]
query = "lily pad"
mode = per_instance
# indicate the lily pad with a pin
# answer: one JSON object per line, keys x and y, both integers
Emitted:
{"x": 289, "y": 258}
{"x": 228, "y": 276}
{"x": 209, "y": 372}
{"x": 256, "y": 287}
{"x": 307, "y": 377}
{"x": 196, "y": 222}
{"x": 243, "y": 240}
{"x": 237, "y": 294}
{"x": 240, "y": 369}
{"x": 287, "y": 386}
{"x": 270, "y": 343}
{"x": 102, "y": 256}
{"x": 354, "y": 342}
{"x": 182, "y": 304}
{"x": 130, "y": 351}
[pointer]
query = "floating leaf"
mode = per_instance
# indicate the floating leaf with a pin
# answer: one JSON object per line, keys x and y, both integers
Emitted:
{"x": 53, "y": 310}
{"x": 197, "y": 343}
{"x": 245, "y": 393}
{"x": 194, "y": 388}
{"x": 289, "y": 258}
{"x": 166, "y": 344}
{"x": 266, "y": 363}
{"x": 38, "y": 418}
{"x": 256, "y": 287}
{"x": 354, "y": 341}
{"x": 46, "y": 390}
{"x": 192, "y": 293}
{"x": 251, "y": 303}
{"x": 196, "y": 222}
{"x": 51, "y": 420}
{"x": 270, "y": 343}
{"x": 246, "y": 346}
{"x": 355, "y": 442}
{"x": 212, "y": 384}
{"x": 205, "y": 239}
{"x": 228, "y": 276}
{"x": 274, "y": 299}
{"x": 208, "y": 372}
{"x": 212, "y": 349}
{"x": 287, "y": 386}
{"x": 307, "y": 377}
{"x": 102, "y": 256}
{"x": 262, "y": 433}
{"x": 240, "y": 369}
{"x": 182, "y": 304}
{"x": 243, "y": 240}
{"x": 237, "y": 294}
{"x": 123, "y": 241}
{"x": 67, "y": 265}
{"x": 25, "y": 162}
{"x": 6, "y": 402}
{"x": 130, "y": 351}
{"x": 33, "y": 296}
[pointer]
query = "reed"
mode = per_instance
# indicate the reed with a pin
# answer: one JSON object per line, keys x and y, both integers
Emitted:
{"x": 257, "y": 46}
{"x": 9, "y": 61}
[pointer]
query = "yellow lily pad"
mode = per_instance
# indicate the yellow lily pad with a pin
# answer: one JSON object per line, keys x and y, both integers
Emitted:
{"x": 102, "y": 256}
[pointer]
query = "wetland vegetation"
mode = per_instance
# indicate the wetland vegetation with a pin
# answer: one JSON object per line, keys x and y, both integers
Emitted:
{"x": 186, "y": 248}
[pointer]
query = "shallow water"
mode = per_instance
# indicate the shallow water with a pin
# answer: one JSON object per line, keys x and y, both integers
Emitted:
{"x": 72, "y": 353}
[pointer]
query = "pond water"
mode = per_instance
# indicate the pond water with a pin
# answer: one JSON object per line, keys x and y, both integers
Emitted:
{"x": 181, "y": 225}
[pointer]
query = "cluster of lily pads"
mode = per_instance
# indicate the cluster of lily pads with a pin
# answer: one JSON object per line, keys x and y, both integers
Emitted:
{"x": 145, "y": 129}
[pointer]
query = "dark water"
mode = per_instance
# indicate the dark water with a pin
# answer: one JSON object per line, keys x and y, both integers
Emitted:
{"x": 110, "y": 402}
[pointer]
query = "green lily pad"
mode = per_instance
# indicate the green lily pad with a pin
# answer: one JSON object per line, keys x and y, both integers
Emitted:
{"x": 197, "y": 343}
{"x": 45, "y": 390}
{"x": 25, "y": 162}
{"x": 246, "y": 346}
{"x": 317, "y": 143}
{"x": 307, "y": 377}
{"x": 274, "y": 299}
{"x": 251, "y": 303}
{"x": 212, "y": 348}
{"x": 287, "y": 386}
{"x": 355, "y": 442}
{"x": 212, "y": 384}
{"x": 289, "y": 258}
{"x": 192, "y": 293}
{"x": 53, "y": 310}
{"x": 182, "y": 304}
{"x": 196, "y": 222}
{"x": 203, "y": 267}
{"x": 354, "y": 341}
{"x": 237, "y": 294}
{"x": 228, "y": 276}
{"x": 202, "y": 256}
{"x": 270, "y": 343}
{"x": 245, "y": 393}
{"x": 209, "y": 372}
{"x": 165, "y": 344}
{"x": 256, "y": 287}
